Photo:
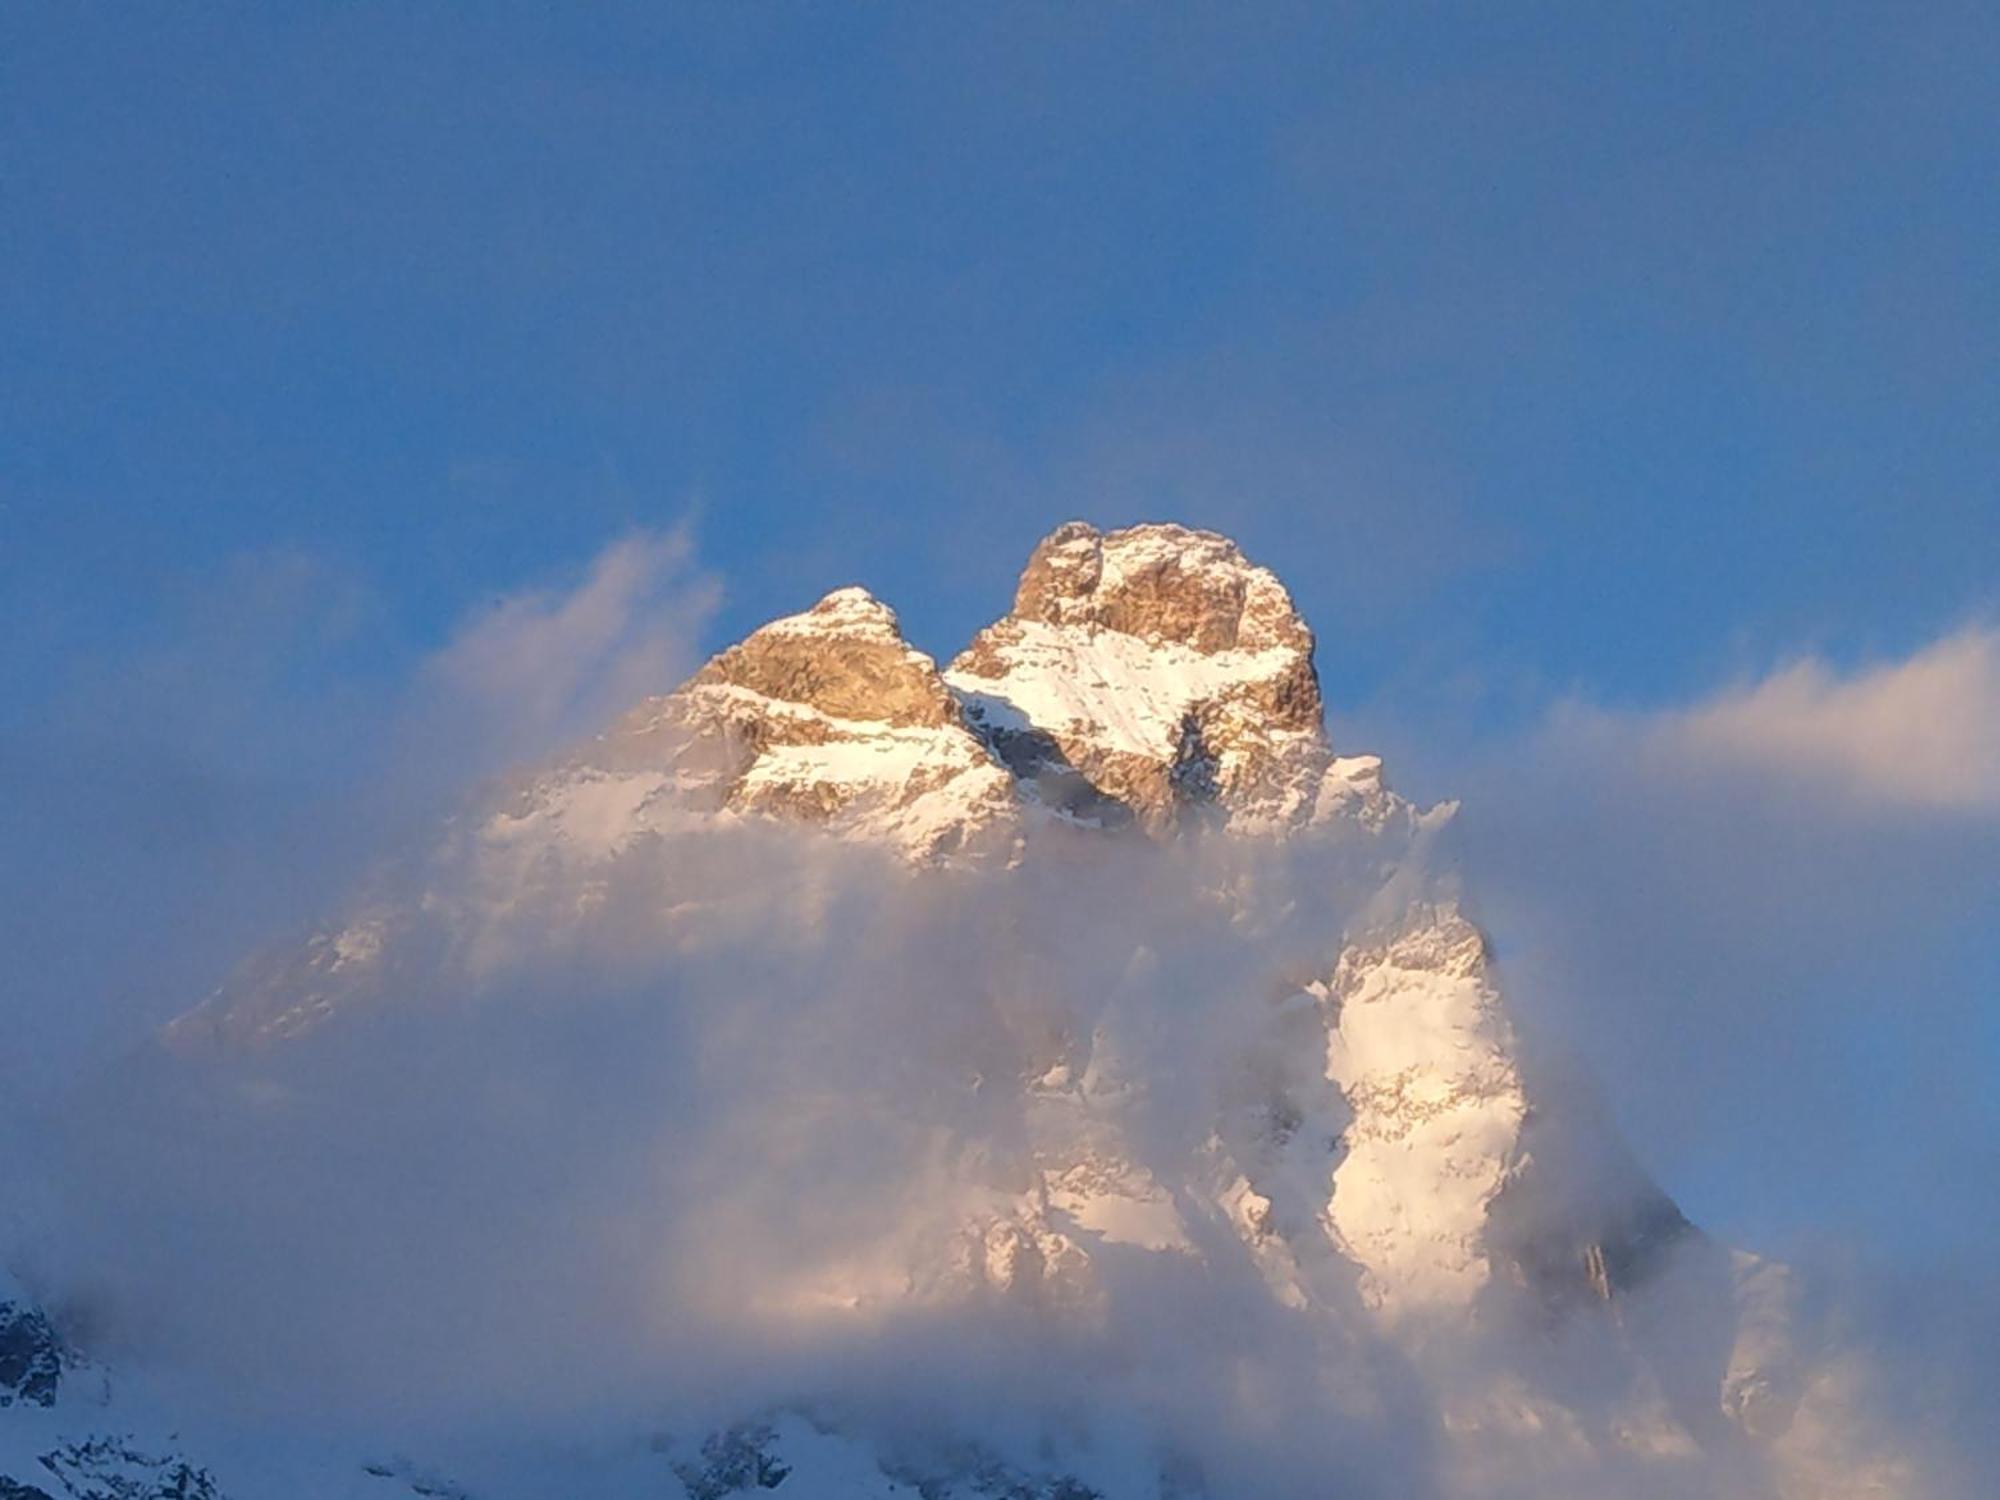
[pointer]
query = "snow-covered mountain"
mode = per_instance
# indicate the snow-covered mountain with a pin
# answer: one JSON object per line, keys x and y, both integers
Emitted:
{"x": 1342, "y": 1117}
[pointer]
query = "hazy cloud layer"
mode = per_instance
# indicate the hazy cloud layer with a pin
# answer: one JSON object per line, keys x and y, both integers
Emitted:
{"x": 226, "y": 772}
{"x": 673, "y": 1173}
{"x": 615, "y": 1182}
{"x": 1775, "y": 901}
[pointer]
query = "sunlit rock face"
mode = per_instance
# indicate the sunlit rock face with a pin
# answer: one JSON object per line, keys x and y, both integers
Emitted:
{"x": 827, "y": 717}
{"x": 1365, "y": 1140}
{"x": 1155, "y": 674}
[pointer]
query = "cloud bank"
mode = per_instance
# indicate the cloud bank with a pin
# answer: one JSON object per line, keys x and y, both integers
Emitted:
{"x": 1775, "y": 900}
{"x": 657, "y": 1178}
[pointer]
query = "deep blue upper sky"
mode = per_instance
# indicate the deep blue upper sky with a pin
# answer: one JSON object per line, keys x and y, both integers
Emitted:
{"x": 1600, "y": 347}
{"x": 1593, "y": 351}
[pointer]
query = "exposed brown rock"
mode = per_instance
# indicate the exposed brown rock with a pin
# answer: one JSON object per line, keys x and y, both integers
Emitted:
{"x": 1161, "y": 583}
{"x": 846, "y": 657}
{"x": 1233, "y": 722}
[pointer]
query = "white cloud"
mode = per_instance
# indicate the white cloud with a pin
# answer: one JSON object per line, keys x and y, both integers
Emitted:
{"x": 1923, "y": 732}
{"x": 266, "y": 708}
{"x": 544, "y": 665}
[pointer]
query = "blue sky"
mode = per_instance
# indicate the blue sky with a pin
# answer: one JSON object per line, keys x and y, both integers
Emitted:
{"x": 1554, "y": 354}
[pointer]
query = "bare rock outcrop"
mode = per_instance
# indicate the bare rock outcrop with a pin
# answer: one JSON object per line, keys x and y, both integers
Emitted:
{"x": 826, "y": 717}
{"x": 1156, "y": 675}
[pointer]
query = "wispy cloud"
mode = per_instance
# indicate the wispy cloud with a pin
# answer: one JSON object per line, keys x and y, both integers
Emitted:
{"x": 1922, "y": 732}
{"x": 546, "y": 664}
{"x": 165, "y": 795}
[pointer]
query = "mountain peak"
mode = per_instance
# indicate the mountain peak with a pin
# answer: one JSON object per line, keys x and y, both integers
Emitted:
{"x": 852, "y": 611}
{"x": 845, "y": 657}
{"x": 1157, "y": 670}
{"x": 1372, "y": 1138}
{"x": 1160, "y": 582}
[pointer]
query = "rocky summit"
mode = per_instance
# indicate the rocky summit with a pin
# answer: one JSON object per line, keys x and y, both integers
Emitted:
{"x": 1367, "y": 1153}
{"x": 1150, "y": 677}
{"x": 1155, "y": 675}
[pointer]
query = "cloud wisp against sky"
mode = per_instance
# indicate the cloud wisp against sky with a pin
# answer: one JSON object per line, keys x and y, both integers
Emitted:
{"x": 546, "y": 666}
{"x": 1922, "y": 734}
{"x": 230, "y": 771}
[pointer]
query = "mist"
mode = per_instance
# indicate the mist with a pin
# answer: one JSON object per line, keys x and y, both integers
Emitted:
{"x": 659, "y": 1173}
